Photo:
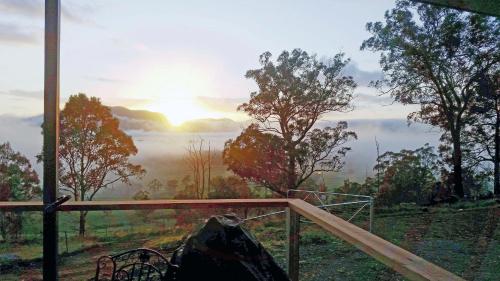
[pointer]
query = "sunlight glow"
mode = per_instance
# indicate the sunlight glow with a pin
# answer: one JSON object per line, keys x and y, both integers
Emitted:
{"x": 174, "y": 89}
{"x": 179, "y": 111}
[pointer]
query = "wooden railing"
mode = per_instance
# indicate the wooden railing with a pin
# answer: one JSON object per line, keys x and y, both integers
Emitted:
{"x": 409, "y": 265}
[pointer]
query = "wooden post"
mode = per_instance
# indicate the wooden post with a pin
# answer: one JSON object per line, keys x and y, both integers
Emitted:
{"x": 292, "y": 230}
{"x": 51, "y": 136}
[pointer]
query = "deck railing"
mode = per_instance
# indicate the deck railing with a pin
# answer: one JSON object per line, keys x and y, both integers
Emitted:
{"x": 407, "y": 264}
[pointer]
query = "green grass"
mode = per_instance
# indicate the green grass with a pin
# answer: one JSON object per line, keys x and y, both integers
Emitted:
{"x": 464, "y": 239}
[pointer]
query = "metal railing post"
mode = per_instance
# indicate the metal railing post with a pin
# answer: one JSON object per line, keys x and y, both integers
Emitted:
{"x": 371, "y": 213}
{"x": 293, "y": 230}
{"x": 51, "y": 137}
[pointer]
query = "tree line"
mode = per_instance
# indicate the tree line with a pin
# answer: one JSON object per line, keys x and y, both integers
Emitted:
{"x": 445, "y": 61}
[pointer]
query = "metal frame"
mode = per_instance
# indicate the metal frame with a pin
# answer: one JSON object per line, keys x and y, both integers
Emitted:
{"x": 152, "y": 266}
{"x": 317, "y": 194}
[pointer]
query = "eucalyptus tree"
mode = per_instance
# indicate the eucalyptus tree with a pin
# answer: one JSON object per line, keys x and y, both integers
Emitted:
{"x": 18, "y": 182}
{"x": 435, "y": 57}
{"x": 94, "y": 153}
{"x": 282, "y": 147}
{"x": 482, "y": 134}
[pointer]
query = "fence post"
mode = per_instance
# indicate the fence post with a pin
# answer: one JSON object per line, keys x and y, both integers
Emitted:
{"x": 292, "y": 230}
{"x": 371, "y": 213}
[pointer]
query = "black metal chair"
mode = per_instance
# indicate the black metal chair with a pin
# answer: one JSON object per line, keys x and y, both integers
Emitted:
{"x": 135, "y": 265}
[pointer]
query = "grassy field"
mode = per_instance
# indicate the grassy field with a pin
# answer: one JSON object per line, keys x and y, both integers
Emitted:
{"x": 464, "y": 239}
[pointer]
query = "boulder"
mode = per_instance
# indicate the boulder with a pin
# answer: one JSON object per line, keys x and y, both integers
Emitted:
{"x": 223, "y": 250}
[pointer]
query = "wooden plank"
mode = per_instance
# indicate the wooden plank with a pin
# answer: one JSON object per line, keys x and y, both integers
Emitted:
{"x": 402, "y": 261}
{"x": 21, "y": 206}
{"x": 293, "y": 231}
{"x": 149, "y": 204}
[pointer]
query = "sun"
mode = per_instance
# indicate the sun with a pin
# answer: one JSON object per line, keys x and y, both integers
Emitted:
{"x": 174, "y": 89}
{"x": 179, "y": 111}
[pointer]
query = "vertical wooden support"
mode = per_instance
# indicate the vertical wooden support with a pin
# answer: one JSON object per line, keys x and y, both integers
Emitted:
{"x": 51, "y": 136}
{"x": 293, "y": 229}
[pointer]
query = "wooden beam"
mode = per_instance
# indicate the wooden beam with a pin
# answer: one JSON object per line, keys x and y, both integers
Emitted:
{"x": 409, "y": 265}
{"x": 292, "y": 250}
{"x": 20, "y": 206}
{"x": 149, "y": 204}
{"x": 51, "y": 135}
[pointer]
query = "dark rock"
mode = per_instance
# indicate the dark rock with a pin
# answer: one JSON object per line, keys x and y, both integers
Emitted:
{"x": 224, "y": 251}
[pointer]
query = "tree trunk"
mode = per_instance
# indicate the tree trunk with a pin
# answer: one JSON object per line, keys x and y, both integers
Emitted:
{"x": 457, "y": 163}
{"x": 209, "y": 169}
{"x": 82, "y": 223}
{"x": 291, "y": 173}
{"x": 496, "y": 159}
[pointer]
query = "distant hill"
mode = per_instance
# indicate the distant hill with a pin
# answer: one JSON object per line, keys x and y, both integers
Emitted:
{"x": 149, "y": 121}
{"x": 139, "y": 114}
{"x": 140, "y": 119}
{"x": 144, "y": 120}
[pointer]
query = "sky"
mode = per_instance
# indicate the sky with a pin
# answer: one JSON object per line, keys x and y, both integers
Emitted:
{"x": 186, "y": 59}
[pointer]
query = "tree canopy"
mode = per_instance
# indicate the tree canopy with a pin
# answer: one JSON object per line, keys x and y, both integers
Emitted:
{"x": 18, "y": 182}
{"x": 94, "y": 152}
{"x": 407, "y": 175}
{"x": 282, "y": 148}
{"x": 229, "y": 188}
{"x": 435, "y": 57}
{"x": 482, "y": 133}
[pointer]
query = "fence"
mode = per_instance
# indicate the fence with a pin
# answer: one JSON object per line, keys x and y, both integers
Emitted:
{"x": 325, "y": 203}
{"x": 402, "y": 261}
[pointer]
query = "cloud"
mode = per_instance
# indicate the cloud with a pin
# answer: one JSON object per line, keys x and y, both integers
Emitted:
{"x": 129, "y": 102}
{"x": 15, "y": 33}
{"x": 24, "y": 135}
{"x": 10, "y": 33}
{"x": 373, "y": 98}
{"x": 220, "y": 104}
{"x": 23, "y": 7}
{"x": 362, "y": 77}
{"x": 23, "y": 94}
{"x": 104, "y": 79}
{"x": 70, "y": 11}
